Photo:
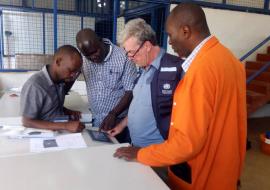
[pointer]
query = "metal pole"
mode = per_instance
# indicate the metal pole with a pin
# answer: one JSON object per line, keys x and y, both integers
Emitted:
{"x": 44, "y": 33}
{"x": 2, "y": 41}
{"x": 165, "y": 35}
{"x": 266, "y": 4}
{"x": 115, "y": 14}
{"x": 55, "y": 23}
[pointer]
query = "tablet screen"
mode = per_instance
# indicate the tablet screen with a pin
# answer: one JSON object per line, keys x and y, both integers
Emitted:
{"x": 99, "y": 136}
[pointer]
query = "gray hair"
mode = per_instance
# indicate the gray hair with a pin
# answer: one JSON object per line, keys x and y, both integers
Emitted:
{"x": 139, "y": 29}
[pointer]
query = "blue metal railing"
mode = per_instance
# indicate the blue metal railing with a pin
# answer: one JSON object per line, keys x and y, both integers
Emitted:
{"x": 264, "y": 9}
{"x": 255, "y": 48}
{"x": 261, "y": 70}
{"x": 257, "y": 73}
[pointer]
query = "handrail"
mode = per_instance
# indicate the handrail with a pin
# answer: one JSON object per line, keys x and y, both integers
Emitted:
{"x": 264, "y": 68}
{"x": 257, "y": 73}
{"x": 255, "y": 48}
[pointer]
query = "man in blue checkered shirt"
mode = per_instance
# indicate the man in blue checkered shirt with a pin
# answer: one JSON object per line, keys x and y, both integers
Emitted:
{"x": 109, "y": 76}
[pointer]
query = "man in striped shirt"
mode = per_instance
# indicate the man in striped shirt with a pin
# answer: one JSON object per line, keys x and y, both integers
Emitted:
{"x": 109, "y": 76}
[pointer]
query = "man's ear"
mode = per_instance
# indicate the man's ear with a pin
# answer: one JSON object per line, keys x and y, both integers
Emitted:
{"x": 148, "y": 45}
{"x": 58, "y": 61}
{"x": 186, "y": 31}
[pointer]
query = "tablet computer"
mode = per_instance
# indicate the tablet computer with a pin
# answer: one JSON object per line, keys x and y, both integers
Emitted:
{"x": 99, "y": 136}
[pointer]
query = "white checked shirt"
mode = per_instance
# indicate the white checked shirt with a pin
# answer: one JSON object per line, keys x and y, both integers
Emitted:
{"x": 107, "y": 82}
{"x": 193, "y": 54}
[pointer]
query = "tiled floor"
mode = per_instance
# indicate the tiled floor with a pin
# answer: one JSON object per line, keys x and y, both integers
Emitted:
{"x": 256, "y": 174}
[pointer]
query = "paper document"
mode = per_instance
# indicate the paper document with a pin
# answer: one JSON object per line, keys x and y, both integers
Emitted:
{"x": 60, "y": 142}
{"x": 10, "y": 130}
{"x": 10, "y": 121}
{"x": 15, "y": 91}
{"x": 19, "y": 89}
{"x": 18, "y": 133}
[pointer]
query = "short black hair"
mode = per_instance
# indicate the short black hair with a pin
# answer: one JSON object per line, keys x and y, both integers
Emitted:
{"x": 67, "y": 50}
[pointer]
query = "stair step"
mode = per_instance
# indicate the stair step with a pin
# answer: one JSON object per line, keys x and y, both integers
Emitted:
{"x": 263, "y": 57}
{"x": 250, "y": 109}
{"x": 255, "y": 65}
{"x": 254, "y": 96}
{"x": 259, "y": 87}
{"x": 264, "y": 76}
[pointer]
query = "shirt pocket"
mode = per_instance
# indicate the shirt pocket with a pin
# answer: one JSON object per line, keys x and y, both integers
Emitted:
{"x": 166, "y": 83}
{"x": 113, "y": 78}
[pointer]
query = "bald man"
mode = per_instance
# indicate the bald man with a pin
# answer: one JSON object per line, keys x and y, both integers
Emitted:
{"x": 109, "y": 77}
{"x": 206, "y": 145}
{"x": 43, "y": 94}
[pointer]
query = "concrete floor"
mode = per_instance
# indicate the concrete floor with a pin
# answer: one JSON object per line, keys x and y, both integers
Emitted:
{"x": 256, "y": 173}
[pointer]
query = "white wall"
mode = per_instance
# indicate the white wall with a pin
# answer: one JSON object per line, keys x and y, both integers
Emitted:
{"x": 239, "y": 31}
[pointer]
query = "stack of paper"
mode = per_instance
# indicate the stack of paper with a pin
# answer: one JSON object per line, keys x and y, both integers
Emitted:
{"x": 19, "y": 132}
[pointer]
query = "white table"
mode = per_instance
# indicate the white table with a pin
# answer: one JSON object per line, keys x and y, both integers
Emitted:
{"x": 9, "y": 107}
{"x": 92, "y": 168}
{"x": 79, "y": 169}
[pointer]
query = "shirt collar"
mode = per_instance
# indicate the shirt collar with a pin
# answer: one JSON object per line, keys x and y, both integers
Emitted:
{"x": 156, "y": 62}
{"x": 108, "y": 42}
{"x": 47, "y": 75}
{"x": 193, "y": 54}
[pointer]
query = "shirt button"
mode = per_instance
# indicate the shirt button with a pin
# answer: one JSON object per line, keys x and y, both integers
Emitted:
{"x": 174, "y": 103}
{"x": 171, "y": 123}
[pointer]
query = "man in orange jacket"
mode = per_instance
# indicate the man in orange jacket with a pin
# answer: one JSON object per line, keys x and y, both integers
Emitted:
{"x": 206, "y": 145}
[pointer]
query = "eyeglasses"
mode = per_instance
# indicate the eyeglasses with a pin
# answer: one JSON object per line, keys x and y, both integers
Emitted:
{"x": 135, "y": 53}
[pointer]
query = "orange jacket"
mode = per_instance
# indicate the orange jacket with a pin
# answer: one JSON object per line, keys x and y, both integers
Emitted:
{"x": 208, "y": 124}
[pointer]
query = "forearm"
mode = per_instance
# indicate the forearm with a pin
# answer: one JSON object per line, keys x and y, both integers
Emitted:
{"x": 177, "y": 149}
{"x": 40, "y": 124}
{"x": 123, "y": 103}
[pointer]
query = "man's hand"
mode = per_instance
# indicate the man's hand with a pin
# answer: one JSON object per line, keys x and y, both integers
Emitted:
{"x": 74, "y": 115}
{"x": 128, "y": 153}
{"x": 74, "y": 126}
{"x": 108, "y": 123}
{"x": 115, "y": 131}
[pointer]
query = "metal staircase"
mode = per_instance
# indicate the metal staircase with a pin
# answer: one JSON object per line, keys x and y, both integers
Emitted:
{"x": 258, "y": 82}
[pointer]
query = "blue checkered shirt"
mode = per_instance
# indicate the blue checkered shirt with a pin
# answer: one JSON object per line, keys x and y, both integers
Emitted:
{"x": 107, "y": 82}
